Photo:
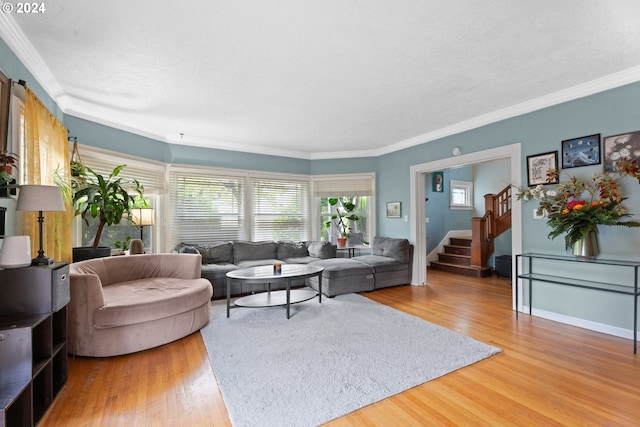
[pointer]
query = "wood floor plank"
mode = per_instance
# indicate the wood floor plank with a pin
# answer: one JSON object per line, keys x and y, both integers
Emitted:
{"x": 548, "y": 374}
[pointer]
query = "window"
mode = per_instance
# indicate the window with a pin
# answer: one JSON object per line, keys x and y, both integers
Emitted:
{"x": 359, "y": 230}
{"x": 206, "y": 208}
{"x": 149, "y": 174}
{"x": 461, "y": 195}
{"x": 359, "y": 189}
{"x": 280, "y": 209}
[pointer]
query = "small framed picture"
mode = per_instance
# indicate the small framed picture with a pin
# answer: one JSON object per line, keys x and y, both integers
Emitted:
{"x": 616, "y": 147}
{"x": 438, "y": 182}
{"x": 394, "y": 210}
{"x": 583, "y": 151}
{"x": 538, "y": 165}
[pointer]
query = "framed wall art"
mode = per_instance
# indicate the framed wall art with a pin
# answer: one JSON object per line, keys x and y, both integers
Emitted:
{"x": 538, "y": 165}
{"x": 583, "y": 151}
{"x": 438, "y": 182}
{"x": 616, "y": 147}
{"x": 394, "y": 210}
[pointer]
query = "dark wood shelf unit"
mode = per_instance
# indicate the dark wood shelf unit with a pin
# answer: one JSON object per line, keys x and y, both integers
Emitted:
{"x": 33, "y": 341}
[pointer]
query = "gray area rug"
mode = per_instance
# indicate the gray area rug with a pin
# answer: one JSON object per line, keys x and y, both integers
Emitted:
{"x": 328, "y": 360}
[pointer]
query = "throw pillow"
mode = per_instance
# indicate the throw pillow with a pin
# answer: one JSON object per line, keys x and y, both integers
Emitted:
{"x": 322, "y": 250}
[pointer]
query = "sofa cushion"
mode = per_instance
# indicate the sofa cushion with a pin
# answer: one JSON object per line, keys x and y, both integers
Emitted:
{"x": 217, "y": 253}
{"x": 149, "y": 299}
{"x": 395, "y": 248}
{"x": 257, "y": 262}
{"x": 382, "y": 263}
{"x": 186, "y": 248}
{"x": 291, "y": 250}
{"x": 248, "y": 251}
{"x": 343, "y": 267}
{"x": 217, "y": 272}
{"x": 300, "y": 260}
{"x": 322, "y": 250}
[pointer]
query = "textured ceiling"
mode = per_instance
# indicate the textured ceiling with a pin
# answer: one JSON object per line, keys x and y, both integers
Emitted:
{"x": 324, "y": 78}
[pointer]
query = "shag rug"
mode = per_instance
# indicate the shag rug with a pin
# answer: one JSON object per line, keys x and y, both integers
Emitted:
{"x": 328, "y": 360}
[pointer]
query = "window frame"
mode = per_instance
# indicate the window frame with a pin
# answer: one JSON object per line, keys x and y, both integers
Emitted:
{"x": 467, "y": 187}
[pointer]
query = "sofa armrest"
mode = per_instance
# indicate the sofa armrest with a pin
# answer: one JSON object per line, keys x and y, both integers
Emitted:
{"x": 86, "y": 298}
{"x": 179, "y": 266}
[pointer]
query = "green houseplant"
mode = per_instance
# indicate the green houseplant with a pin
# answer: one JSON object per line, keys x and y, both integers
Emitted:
{"x": 344, "y": 217}
{"x": 106, "y": 199}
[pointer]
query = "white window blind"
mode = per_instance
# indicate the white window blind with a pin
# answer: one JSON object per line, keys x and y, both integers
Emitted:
{"x": 206, "y": 208}
{"x": 150, "y": 175}
{"x": 280, "y": 209}
{"x": 347, "y": 185}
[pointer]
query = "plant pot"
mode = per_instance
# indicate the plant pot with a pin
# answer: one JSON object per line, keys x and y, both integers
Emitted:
{"x": 588, "y": 247}
{"x": 342, "y": 242}
{"x": 87, "y": 252}
{"x": 7, "y": 168}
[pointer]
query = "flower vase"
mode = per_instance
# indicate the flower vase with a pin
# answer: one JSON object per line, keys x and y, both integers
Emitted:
{"x": 588, "y": 247}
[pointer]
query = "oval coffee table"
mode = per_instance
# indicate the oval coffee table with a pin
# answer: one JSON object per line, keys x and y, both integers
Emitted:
{"x": 266, "y": 274}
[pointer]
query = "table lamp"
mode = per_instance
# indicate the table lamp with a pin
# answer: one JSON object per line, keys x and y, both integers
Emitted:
{"x": 142, "y": 217}
{"x": 40, "y": 198}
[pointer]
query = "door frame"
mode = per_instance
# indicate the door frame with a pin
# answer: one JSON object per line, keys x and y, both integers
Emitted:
{"x": 417, "y": 188}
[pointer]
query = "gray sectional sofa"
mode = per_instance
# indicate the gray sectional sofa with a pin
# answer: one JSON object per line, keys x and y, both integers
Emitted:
{"x": 389, "y": 264}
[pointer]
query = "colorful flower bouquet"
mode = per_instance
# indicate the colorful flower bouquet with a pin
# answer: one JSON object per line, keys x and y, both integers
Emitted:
{"x": 577, "y": 206}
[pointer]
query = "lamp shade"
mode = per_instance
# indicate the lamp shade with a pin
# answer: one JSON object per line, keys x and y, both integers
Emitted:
{"x": 142, "y": 216}
{"x": 16, "y": 252}
{"x": 34, "y": 198}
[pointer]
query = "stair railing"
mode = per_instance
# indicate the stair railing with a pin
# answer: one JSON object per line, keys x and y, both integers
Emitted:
{"x": 496, "y": 220}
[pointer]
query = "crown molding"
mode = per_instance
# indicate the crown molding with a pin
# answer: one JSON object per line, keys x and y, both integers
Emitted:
{"x": 29, "y": 56}
{"x": 24, "y": 50}
{"x": 612, "y": 81}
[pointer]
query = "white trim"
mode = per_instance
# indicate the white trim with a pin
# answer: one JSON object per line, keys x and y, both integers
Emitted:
{"x": 417, "y": 205}
{"x": 31, "y": 59}
{"x": 582, "y": 323}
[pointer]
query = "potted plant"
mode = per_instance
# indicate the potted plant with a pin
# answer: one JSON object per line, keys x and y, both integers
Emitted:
{"x": 104, "y": 198}
{"x": 8, "y": 161}
{"x": 344, "y": 217}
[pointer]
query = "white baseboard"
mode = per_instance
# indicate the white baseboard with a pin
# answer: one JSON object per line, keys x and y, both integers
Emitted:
{"x": 581, "y": 323}
{"x": 433, "y": 255}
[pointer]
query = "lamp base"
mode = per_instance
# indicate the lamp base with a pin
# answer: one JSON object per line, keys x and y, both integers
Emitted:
{"x": 40, "y": 261}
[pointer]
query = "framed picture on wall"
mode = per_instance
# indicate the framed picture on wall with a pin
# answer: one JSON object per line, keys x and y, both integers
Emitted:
{"x": 394, "y": 210}
{"x": 438, "y": 182}
{"x": 538, "y": 165}
{"x": 616, "y": 147}
{"x": 583, "y": 151}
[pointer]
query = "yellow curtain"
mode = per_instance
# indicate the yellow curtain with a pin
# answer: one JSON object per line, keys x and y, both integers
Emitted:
{"x": 45, "y": 151}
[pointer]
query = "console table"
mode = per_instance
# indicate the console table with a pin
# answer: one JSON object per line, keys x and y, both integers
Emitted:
{"x": 528, "y": 264}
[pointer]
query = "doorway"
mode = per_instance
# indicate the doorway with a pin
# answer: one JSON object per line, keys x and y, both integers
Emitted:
{"x": 418, "y": 209}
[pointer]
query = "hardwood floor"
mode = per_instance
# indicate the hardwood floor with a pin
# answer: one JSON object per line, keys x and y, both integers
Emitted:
{"x": 548, "y": 374}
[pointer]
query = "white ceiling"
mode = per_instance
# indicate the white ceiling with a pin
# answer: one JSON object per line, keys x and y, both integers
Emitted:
{"x": 323, "y": 78}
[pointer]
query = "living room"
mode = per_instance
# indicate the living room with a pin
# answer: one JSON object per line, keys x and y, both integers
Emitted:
{"x": 399, "y": 171}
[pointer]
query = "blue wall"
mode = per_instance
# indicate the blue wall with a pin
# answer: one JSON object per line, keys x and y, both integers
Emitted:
{"x": 610, "y": 112}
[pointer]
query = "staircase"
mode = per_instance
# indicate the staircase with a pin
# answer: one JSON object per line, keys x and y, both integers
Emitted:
{"x": 456, "y": 258}
{"x": 469, "y": 256}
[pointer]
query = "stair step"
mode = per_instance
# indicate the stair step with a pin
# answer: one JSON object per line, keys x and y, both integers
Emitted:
{"x": 454, "y": 259}
{"x": 458, "y": 250}
{"x": 460, "y": 241}
{"x": 460, "y": 269}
